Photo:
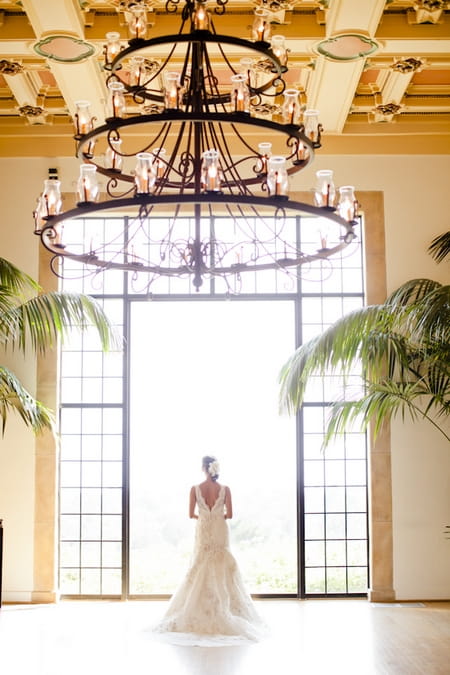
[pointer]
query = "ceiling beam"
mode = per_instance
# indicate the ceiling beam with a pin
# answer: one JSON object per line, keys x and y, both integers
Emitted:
{"x": 77, "y": 81}
{"x": 333, "y": 83}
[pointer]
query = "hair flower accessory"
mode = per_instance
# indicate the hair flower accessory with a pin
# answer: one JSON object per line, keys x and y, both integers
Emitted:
{"x": 213, "y": 468}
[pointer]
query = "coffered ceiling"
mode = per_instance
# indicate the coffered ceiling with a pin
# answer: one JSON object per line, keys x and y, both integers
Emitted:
{"x": 377, "y": 70}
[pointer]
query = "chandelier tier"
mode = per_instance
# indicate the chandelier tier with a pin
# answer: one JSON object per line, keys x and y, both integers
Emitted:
{"x": 197, "y": 160}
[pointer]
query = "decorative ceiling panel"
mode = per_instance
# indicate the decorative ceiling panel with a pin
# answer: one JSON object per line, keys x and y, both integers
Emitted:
{"x": 378, "y": 71}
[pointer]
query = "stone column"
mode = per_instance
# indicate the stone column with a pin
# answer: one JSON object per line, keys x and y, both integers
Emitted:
{"x": 380, "y": 483}
{"x": 46, "y": 467}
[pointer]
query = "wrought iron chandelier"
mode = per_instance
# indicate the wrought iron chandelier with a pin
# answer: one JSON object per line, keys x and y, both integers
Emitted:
{"x": 208, "y": 194}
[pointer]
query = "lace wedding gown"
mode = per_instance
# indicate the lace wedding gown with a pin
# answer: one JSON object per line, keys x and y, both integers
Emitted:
{"x": 211, "y": 607}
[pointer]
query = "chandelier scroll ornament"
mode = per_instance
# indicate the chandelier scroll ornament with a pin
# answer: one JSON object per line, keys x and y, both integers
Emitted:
{"x": 184, "y": 145}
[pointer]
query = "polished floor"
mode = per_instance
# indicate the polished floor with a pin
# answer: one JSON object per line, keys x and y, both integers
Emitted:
{"x": 311, "y": 637}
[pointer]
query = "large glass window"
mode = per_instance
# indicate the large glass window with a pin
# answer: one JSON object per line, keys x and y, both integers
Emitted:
{"x": 198, "y": 374}
{"x": 203, "y": 380}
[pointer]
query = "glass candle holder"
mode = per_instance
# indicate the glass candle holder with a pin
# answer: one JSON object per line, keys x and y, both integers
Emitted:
{"x": 291, "y": 108}
{"x": 159, "y": 161}
{"x": 137, "y": 71}
{"x": 82, "y": 118}
{"x": 171, "y": 91}
{"x": 89, "y": 148}
{"x": 210, "y": 177}
{"x": 247, "y": 68}
{"x": 136, "y": 18}
{"x": 116, "y": 100}
{"x": 88, "y": 190}
{"x": 261, "y": 29}
{"x": 265, "y": 152}
{"x": 201, "y": 16}
{"x": 144, "y": 175}
{"x": 114, "y": 160}
{"x": 277, "y": 177}
{"x": 301, "y": 152}
{"x": 240, "y": 95}
{"x": 325, "y": 191}
{"x": 39, "y": 214}
{"x": 279, "y": 48}
{"x": 112, "y": 48}
{"x": 348, "y": 204}
{"x": 312, "y": 126}
{"x": 51, "y": 198}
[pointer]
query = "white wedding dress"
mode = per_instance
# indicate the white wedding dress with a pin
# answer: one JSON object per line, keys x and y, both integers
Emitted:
{"x": 211, "y": 607}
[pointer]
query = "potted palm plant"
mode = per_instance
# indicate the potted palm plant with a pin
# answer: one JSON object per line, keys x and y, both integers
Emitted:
{"x": 30, "y": 318}
{"x": 402, "y": 349}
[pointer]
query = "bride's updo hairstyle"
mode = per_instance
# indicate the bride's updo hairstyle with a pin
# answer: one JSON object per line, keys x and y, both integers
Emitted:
{"x": 211, "y": 465}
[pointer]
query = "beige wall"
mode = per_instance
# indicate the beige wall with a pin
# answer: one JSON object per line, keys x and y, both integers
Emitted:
{"x": 416, "y": 196}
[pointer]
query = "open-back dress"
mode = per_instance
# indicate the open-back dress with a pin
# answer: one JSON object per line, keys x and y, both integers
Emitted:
{"x": 212, "y": 605}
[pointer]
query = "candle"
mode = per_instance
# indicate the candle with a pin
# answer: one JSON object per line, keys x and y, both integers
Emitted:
{"x": 112, "y": 48}
{"x": 171, "y": 91}
{"x": 83, "y": 118}
{"x": 277, "y": 177}
{"x": 348, "y": 205}
{"x": 144, "y": 176}
{"x": 117, "y": 99}
{"x": 201, "y": 17}
{"x": 325, "y": 191}
{"x": 279, "y": 49}
{"x": 173, "y": 98}
{"x": 211, "y": 171}
{"x": 261, "y": 25}
{"x": 87, "y": 187}
{"x": 240, "y": 93}
{"x": 212, "y": 177}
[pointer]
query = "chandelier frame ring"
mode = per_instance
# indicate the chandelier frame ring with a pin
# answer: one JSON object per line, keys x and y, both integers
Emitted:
{"x": 140, "y": 200}
{"x": 114, "y": 124}
{"x": 205, "y": 37}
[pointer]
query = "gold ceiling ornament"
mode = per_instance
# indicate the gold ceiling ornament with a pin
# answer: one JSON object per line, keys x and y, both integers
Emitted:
{"x": 10, "y": 67}
{"x": 34, "y": 114}
{"x": 428, "y": 11}
{"x": 198, "y": 172}
{"x": 385, "y": 112}
{"x": 30, "y": 110}
{"x": 408, "y": 65}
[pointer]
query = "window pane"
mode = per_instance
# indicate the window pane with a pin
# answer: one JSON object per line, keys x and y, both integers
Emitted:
{"x": 315, "y": 580}
{"x": 336, "y": 580}
{"x": 69, "y": 554}
{"x": 314, "y": 553}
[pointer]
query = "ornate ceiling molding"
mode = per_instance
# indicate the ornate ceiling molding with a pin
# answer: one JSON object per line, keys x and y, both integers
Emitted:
{"x": 10, "y": 67}
{"x": 64, "y": 48}
{"x": 347, "y": 47}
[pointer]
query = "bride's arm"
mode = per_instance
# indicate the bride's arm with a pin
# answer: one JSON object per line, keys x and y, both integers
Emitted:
{"x": 228, "y": 504}
{"x": 192, "y": 503}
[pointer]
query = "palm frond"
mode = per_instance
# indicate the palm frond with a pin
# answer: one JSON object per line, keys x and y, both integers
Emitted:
{"x": 429, "y": 319}
{"x": 40, "y": 320}
{"x": 410, "y": 292}
{"x": 337, "y": 347}
{"x": 360, "y": 341}
{"x": 15, "y": 280}
{"x": 14, "y": 397}
{"x": 440, "y": 247}
{"x": 378, "y": 406}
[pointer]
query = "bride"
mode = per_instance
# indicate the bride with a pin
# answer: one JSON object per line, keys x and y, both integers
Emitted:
{"x": 211, "y": 606}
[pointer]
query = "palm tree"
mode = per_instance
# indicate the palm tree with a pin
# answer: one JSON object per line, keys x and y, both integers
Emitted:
{"x": 32, "y": 319}
{"x": 401, "y": 348}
